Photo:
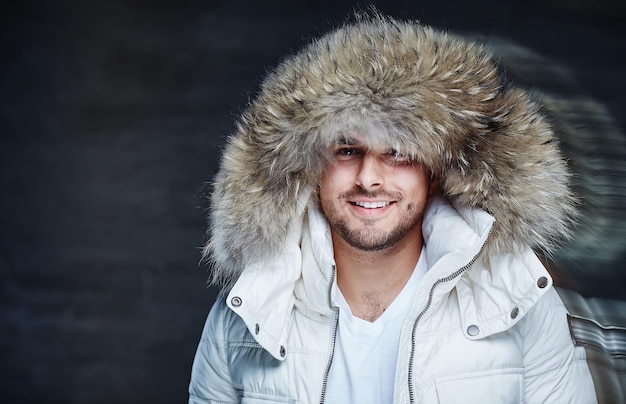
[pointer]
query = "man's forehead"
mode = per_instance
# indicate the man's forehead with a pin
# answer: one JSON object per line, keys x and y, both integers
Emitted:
{"x": 347, "y": 140}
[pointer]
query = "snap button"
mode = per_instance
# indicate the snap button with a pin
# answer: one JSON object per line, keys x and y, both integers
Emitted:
{"x": 282, "y": 351}
{"x": 514, "y": 312}
{"x": 542, "y": 282}
{"x": 257, "y": 329}
{"x": 236, "y": 301}
{"x": 473, "y": 330}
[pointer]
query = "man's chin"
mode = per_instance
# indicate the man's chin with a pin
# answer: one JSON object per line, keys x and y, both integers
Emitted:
{"x": 365, "y": 240}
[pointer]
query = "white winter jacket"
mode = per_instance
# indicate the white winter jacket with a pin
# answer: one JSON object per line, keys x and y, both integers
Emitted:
{"x": 482, "y": 328}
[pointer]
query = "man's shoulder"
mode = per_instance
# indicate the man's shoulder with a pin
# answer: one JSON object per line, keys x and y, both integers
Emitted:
{"x": 222, "y": 323}
{"x": 549, "y": 302}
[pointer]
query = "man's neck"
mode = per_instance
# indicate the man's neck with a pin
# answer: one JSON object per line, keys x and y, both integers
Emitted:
{"x": 371, "y": 280}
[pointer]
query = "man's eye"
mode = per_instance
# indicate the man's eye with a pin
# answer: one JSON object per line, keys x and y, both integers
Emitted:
{"x": 343, "y": 153}
{"x": 396, "y": 157}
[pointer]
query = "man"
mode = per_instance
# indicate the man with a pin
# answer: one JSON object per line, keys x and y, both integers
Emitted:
{"x": 372, "y": 226}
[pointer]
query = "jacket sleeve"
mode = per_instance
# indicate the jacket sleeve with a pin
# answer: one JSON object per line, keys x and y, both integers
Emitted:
{"x": 210, "y": 376}
{"x": 555, "y": 370}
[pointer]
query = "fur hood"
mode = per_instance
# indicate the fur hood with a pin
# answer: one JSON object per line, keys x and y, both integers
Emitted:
{"x": 440, "y": 98}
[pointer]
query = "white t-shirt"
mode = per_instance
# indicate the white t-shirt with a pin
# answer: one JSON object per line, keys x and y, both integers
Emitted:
{"x": 364, "y": 363}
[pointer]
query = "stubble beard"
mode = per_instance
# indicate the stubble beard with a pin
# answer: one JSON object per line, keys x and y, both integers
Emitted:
{"x": 368, "y": 238}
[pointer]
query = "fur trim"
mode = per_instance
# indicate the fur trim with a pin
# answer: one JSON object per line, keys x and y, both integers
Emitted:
{"x": 435, "y": 96}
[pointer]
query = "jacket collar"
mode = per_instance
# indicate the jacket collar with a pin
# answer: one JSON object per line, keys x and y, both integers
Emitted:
{"x": 495, "y": 290}
{"x": 263, "y": 296}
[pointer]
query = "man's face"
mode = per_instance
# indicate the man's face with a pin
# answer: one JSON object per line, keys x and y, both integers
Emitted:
{"x": 374, "y": 198}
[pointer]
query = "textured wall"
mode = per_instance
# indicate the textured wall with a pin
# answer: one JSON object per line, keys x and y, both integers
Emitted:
{"x": 112, "y": 115}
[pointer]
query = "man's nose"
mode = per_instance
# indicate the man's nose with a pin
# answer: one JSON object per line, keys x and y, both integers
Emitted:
{"x": 370, "y": 174}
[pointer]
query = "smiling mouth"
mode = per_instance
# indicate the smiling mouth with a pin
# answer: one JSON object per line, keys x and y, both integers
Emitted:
{"x": 371, "y": 205}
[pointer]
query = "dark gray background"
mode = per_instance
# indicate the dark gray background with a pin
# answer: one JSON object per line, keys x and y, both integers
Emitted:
{"x": 112, "y": 115}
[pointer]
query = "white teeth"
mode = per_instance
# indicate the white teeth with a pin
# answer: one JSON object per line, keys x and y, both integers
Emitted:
{"x": 372, "y": 205}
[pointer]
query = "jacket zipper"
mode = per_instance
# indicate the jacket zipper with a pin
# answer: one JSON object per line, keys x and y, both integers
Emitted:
{"x": 428, "y": 304}
{"x": 333, "y": 337}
